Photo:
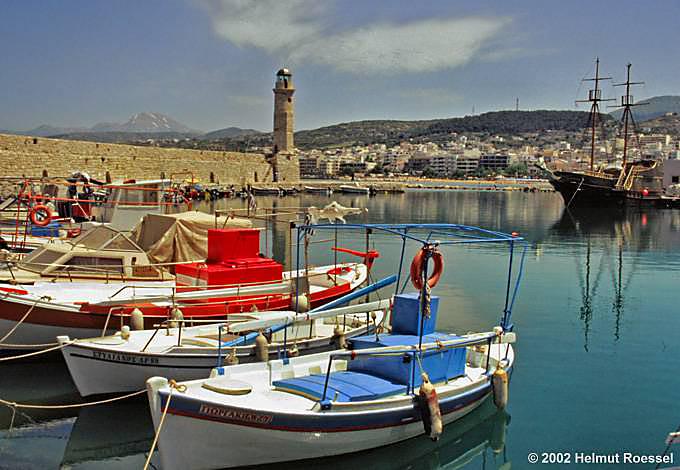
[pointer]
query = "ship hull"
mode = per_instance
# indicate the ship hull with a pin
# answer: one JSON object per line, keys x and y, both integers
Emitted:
{"x": 583, "y": 190}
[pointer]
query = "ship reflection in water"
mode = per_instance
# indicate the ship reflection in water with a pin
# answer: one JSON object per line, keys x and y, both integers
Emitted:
{"x": 613, "y": 240}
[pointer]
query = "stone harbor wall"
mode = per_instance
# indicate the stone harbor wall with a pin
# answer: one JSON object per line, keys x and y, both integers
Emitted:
{"x": 22, "y": 156}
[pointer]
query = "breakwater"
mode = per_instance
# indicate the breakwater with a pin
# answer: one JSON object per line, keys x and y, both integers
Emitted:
{"x": 22, "y": 156}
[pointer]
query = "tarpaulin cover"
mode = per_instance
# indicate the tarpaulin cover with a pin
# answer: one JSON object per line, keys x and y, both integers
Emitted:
{"x": 171, "y": 238}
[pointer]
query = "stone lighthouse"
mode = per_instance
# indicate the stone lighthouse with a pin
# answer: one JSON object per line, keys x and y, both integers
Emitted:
{"x": 283, "y": 112}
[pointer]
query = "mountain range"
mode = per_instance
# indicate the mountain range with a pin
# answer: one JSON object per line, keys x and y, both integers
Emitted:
{"x": 141, "y": 125}
{"x": 157, "y": 126}
{"x": 654, "y": 107}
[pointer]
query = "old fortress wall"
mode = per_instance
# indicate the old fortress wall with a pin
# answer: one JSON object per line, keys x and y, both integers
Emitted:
{"x": 22, "y": 156}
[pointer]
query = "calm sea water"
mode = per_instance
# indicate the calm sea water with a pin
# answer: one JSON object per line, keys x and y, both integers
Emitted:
{"x": 598, "y": 354}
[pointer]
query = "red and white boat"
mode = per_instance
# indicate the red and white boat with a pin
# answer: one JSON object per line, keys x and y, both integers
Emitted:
{"x": 235, "y": 278}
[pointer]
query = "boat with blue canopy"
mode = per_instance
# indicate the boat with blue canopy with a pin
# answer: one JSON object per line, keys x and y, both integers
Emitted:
{"x": 381, "y": 389}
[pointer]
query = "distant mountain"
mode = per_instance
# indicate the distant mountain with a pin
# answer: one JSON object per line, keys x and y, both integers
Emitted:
{"x": 45, "y": 131}
{"x": 154, "y": 123}
{"x": 228, "y": 133}
{"x": 655, "y": 107}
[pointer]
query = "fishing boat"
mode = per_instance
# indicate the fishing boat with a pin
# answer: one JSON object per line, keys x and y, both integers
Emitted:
{"x": 106, "y": 254}
{"x": 266, "y": 191}
{"x": 354, "y": 189}
{"x": 124, "y": 361}
{"x": 234, "y": 278}
{"x": 637, "y": 182}
{"x": 43, "y": 211}
{"x": 385, "y": 388}
{"x": 317, "y": 190}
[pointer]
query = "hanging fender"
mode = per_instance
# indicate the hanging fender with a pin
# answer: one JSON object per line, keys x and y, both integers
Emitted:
{"x": 41, "y": 215}
{"x": 429, "y": 409}
{"x": 417, "y": 266}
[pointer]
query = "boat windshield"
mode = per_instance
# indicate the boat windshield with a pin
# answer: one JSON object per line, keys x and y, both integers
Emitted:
{"x": 105, "y": 238}
{"x": 40, "y": 259}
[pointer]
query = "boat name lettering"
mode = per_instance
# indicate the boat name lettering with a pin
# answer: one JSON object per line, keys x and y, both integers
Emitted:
{"x": 221, "y": 412}
{"x": 109, "y": 356}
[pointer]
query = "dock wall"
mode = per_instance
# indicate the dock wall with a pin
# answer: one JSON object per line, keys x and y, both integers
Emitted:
{"x": 22, "y": 156}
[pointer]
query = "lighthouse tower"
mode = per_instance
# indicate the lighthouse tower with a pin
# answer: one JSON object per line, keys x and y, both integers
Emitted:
{"x": 283, "y": 112}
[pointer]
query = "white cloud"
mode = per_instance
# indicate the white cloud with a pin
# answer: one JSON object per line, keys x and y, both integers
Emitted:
{"x": 294, "y": 30}
{"x": 413, "y": 47}
{"x": 269, "y": 25}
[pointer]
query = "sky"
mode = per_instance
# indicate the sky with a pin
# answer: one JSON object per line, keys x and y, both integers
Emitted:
{"x": 211, "y": 64}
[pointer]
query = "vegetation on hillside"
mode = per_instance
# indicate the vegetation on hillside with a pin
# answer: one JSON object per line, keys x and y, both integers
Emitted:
{"x": 436, "y": 130}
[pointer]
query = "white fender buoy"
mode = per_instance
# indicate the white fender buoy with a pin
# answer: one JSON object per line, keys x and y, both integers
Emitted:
{"x": 429, "y": 406}
{"x": 499, "y": 384}
{"x": 339, "y": 337}
{"x": 299, "y": 303}
{"x": 175, "y": 316}
{"x": 125, "y": 332}
{"x": 137, "y": 319}
{"x": 261, "y": 348}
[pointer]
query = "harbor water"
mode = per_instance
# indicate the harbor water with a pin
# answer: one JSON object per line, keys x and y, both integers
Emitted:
{"x": 598, "y": 348}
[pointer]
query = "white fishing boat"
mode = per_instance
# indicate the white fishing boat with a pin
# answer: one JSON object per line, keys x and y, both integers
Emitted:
{"x": 354, "y": 189}
{"x": 383, "y": 389}
{"x": 124, "y": 361}
{"x": 317, "y": 189}
{"x": 323, "y": 404}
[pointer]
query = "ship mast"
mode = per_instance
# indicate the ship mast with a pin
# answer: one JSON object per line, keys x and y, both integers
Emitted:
{"x": 626, "y": 104}
{"x": 594, "y": 97}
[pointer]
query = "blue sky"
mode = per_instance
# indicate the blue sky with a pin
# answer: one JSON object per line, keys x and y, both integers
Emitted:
{"x": 211, "y": 63}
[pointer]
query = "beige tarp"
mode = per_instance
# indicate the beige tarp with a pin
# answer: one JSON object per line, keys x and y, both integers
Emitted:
{"x": 170, "y": 238}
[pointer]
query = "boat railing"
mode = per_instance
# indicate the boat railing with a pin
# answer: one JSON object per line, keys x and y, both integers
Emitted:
{"x": 109, "y": 271}
{"x": 413, "y": 352}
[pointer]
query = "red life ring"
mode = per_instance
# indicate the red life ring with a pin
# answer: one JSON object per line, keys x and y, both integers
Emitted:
{"x": 41, "y": 215}
{"x": 417, "y": 269}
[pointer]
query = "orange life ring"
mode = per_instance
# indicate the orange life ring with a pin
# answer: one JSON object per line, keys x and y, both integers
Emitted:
{"x": 41, "y": 215}
{"x": 417, "y": 269}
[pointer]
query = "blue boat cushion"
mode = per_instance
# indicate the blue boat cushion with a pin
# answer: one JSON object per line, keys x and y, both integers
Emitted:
{"x": 440, "y": 365}
{"x": 349, "y": 386}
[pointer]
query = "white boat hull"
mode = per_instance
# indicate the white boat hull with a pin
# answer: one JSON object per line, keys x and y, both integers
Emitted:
{"x": 282, "y": 426}
{"x": 220, "y": 445}
{"x": 111, "y": 364}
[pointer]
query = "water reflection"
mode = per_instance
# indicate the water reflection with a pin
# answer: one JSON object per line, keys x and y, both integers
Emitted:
{"x": 475, "y": 441}
{"x": 610, "y": 244}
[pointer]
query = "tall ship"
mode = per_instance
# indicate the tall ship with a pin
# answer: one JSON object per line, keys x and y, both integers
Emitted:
{"x": 636, "y": 181}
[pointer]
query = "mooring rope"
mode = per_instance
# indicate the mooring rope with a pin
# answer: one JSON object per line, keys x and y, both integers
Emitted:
{"x": 20, "y": 321}
{"x": 72, "y": 405}
{"x": 54, "y": 347}
{"x": 14, "y": 406}
{"x": 180, "y": 388}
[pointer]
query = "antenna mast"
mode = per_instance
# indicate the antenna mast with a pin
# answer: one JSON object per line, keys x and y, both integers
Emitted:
{"x": 594, "y": 97}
